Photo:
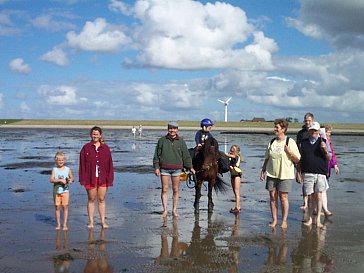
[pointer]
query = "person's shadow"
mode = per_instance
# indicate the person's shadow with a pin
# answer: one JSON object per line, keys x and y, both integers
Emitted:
{"x": 96, "y": 252}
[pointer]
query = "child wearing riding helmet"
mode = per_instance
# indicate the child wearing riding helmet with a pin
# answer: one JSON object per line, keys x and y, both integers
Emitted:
{"x": 203, "y": 134}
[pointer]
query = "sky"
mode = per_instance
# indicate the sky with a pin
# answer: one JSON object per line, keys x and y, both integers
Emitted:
{"x": 173, "y": 59}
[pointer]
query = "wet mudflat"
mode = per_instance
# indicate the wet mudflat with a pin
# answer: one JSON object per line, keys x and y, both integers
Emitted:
{"x": 138, "y": 240}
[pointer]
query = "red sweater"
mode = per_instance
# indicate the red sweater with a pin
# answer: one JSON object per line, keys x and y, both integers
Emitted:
{"x": 89, "y": 157}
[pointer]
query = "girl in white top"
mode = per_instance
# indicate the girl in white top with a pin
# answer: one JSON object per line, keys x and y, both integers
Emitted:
{"x": 235, "y": 172}
{"x": 61, "y": 176}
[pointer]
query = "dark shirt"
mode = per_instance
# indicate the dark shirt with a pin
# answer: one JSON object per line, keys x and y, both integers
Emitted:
{"x": 313, "y": 159}
{"x": 201, "y": 136}
{"x": 302, "y": 135}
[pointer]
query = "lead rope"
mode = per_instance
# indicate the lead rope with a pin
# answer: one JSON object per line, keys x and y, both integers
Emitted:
{"x": 191, "y": 181}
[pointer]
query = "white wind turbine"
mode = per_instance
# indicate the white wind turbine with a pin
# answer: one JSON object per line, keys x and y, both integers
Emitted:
{"x": 226, "y": 103}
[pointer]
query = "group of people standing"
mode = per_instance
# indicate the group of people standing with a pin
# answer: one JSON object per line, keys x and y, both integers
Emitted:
{"x": 172, "y": 155}
{"x": 312, "y": 156}
{"x": 309, "y": 160}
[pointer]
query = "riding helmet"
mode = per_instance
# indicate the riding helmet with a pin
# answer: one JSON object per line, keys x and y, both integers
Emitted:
{"x": 206, "y": 122}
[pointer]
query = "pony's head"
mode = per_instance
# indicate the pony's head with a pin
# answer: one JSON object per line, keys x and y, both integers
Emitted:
{"x": 211, "y": 146}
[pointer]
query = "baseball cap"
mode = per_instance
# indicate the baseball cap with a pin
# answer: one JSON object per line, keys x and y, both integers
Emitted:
{"x": 314, "y": 126}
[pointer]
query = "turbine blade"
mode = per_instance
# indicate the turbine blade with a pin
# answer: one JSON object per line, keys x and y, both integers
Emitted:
{"x": 228, "y": 99}
{"x": 221, "y": 101}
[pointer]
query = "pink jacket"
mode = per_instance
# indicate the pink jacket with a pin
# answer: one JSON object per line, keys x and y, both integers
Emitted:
{"x": 333, "y": 160}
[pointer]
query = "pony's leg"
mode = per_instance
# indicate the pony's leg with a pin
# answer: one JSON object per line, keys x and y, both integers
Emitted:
{"x": 210, "y": 204}
{"x": 197, "y": 195}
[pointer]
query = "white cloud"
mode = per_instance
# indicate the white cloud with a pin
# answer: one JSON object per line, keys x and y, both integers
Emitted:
{"x": 322, "y": 84}
{"x": 7, "y": 26}
{"x": 166, "y": 96}
{"x": 24, "y": 107}
{"x": 58, "y": 95}
{"x": 187, "y": 34}
{"x": 339, "y": 22}
{"x": 98, "y": 36}
{"x": 310, "y": 30}
{"x": 49, "y": 23}
{"x": 120, "y": 6}
{"x": 17, "y": 65}
{"x": 56, "y": 56}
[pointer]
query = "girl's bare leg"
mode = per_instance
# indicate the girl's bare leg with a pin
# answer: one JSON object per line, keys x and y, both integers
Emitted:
{"x": 58, "y": 217}
{"x": 65, "y": 217}
{"x": 235, "y": 184}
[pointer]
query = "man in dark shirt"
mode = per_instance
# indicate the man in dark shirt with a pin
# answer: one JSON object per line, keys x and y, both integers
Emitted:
{"x": 302, "y": 134}
{"x": 312, "y": 171}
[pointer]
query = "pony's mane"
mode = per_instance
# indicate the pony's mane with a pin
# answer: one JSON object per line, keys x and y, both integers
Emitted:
{"x": 211, "y": 142}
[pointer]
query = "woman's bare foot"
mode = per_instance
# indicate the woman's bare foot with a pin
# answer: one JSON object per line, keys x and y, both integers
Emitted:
{"x": 175, "y": 214}
{"x": 284, "y": 224}
{"x": 304, "y": 207}
{"x": 89, "y": 226}
{"x": 273, "y": 224}
{"x": 65, "y": 228}
{"x": 104, "y": 225}
{"x": 328, "y": 213}
{"x": 58, "y": 227}
{"x": 164, "y": 214}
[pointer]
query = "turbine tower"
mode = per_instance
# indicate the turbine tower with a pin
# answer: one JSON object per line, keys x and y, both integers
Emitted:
{"x": 226, "y": 103}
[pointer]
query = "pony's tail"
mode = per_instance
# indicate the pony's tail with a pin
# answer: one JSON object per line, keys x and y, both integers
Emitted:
{"x": 220, "y": 185}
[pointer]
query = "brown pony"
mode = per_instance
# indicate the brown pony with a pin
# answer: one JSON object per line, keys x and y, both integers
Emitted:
{"x": 206, "y": 167}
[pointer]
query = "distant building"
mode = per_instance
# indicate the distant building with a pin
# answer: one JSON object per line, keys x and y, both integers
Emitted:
{"x": 258, "y": 119}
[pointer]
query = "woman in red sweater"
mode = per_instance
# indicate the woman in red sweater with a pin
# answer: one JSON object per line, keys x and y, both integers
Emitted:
{"x": 96, "y": 174}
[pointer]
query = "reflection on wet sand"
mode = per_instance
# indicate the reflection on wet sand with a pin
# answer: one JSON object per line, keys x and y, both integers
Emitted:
{"x": 62, "y": 262}
{"x": 277, "y": 250}
{"x": 177, "y": 248}
{"x": 309, "y": 256}
{"x": 96, "y": 254}
{"x": 202, "y": 253}
{"x": 234, "y": 246}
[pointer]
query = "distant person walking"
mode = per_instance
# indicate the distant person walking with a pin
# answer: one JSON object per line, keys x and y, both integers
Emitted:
{"x": 61, "y": 177}
{"x": 170, "y": 156}
{"x": 96, "y": 174}
{"x": 278, "y": 167}
{"x": 140, "y": 130}
{"x": 133, "y": 131}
